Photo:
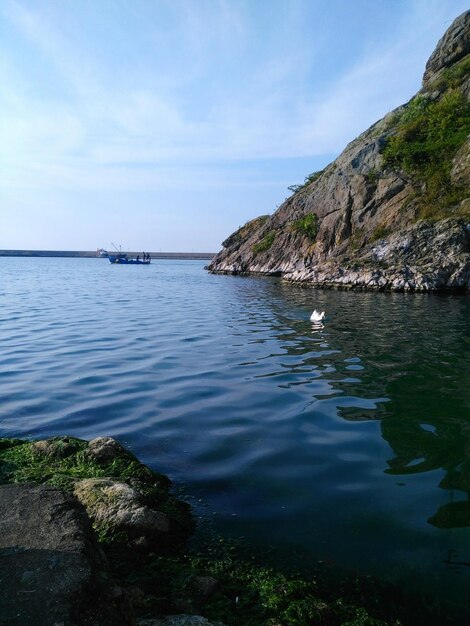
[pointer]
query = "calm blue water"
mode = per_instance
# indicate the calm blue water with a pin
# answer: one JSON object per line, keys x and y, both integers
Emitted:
{"x": 348, "y": 444}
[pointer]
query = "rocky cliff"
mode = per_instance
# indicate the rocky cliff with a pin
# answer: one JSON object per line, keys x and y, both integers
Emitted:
{"x": 393, "y": 210}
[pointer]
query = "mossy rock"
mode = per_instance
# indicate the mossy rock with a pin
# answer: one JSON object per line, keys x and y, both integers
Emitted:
{"x": 6, "y": 443}
{"x": 59, "y": 461}
{"x": 65, "y": 462}
{"x": 120, "y": 513}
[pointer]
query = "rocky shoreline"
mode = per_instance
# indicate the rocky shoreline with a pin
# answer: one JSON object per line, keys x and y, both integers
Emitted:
{"x": 425, "y": 257}
{"x": 90, "y": 536}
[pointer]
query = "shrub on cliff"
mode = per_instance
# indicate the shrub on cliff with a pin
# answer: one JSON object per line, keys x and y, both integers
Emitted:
{"x": 452, "y": 76}
{"x": 265, "y": 243}
{"x": 311, "y": 178}
{"x": 307, "y": 225}
{"x": 428, "y": 135}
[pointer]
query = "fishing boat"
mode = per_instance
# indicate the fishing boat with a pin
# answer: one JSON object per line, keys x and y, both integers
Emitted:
{"x": 123, "y": 259}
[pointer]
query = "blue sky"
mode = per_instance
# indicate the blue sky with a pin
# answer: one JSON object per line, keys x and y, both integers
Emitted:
{"x": 167, "y": 124}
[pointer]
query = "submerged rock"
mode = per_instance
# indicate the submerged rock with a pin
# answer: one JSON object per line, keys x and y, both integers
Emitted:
{"x": 203, "y": 587}
{"x": 53, "y": 571}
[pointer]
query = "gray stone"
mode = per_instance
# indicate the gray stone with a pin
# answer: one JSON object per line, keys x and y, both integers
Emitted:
{"x": 105, "y": 449}
{"x": 460, "y": 173}
{"x": 51, "y": 569}
{"x": 119, "y": 508}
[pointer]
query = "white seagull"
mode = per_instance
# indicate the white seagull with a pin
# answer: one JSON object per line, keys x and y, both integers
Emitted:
{"x": 316, "y": 316}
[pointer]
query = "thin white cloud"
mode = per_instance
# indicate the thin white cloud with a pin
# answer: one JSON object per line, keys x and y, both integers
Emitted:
{"x": 97, "y": 122}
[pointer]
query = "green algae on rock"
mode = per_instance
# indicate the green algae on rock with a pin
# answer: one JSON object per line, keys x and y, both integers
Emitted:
{"x": 126, "y": 501}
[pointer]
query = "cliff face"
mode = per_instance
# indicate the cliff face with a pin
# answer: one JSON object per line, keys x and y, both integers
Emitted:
{"x": 393, "y": 210}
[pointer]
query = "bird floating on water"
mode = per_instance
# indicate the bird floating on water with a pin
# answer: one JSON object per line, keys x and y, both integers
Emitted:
{"x": 317, "y": 316}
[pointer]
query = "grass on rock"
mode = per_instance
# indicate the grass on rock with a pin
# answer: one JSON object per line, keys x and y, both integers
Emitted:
{"x": 428, "y": 134}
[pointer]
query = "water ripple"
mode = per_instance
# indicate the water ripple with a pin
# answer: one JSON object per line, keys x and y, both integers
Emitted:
{"x": 339, "y": 442}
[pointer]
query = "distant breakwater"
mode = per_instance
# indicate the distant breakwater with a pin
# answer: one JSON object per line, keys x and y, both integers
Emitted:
{"x": 92, "y": 254}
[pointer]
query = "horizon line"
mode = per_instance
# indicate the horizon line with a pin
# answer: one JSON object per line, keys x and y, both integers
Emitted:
{"x": 94, "y": 253}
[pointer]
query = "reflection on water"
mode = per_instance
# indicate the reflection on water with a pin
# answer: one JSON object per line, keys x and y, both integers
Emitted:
{"x": 420, "y": 362}
{"x": 427, "y": 421}
{"x": 344, "y": 443}
{"x": 441, "y": 443}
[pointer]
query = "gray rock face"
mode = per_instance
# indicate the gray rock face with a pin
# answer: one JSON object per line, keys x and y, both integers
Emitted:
{"x": 423, "y": 257}
{"x": 103, "y": 449}
{"x": 51, "y": 570}
{"x": 356, "y": 210}
{"x": 453, "y": 46}
{"x": 357, "y": 203}
{"x": 346, "y": 198}
{"x": 460, "y": 173}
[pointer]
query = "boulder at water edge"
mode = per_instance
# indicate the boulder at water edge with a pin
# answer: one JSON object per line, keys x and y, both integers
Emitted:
{"x": 52, "y": 571}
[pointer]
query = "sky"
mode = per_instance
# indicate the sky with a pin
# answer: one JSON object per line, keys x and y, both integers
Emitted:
{"x": 164, "y": 125}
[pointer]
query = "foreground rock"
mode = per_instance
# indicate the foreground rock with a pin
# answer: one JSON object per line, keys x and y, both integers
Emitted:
{"x": 51, "y": 569}
{"x": 118, "y": 507}
{"x": 368, "y": 220}
{"x": 128, "y": 503}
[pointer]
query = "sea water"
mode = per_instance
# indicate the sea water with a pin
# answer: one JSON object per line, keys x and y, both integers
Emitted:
{"x": 346, "y": 444}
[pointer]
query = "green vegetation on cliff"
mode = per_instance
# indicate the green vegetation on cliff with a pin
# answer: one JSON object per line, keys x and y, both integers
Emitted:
{"x": 265, "y": 243}
{"x": 311, "y": 178}
{"x": 452, "y": 77}
{"x": 307, "y": 225}
{"x": 427, "y": 136}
